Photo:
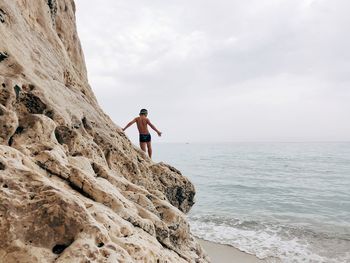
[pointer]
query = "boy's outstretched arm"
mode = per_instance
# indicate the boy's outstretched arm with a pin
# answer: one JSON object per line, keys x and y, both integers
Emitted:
{"x": 154, "y": 128}
{"x": 129, "y": 124}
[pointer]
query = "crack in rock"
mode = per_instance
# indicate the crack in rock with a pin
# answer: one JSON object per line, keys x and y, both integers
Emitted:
{"x": 3, "y": 55}
{"x": 2, "y": 16}
{"x": 53, "y": 10}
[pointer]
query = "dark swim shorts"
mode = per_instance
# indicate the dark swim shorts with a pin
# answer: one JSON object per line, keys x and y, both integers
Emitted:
{"x": 145, "y": 137}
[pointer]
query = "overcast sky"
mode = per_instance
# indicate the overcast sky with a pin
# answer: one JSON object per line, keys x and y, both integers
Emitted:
{"x": 223, "y": 70}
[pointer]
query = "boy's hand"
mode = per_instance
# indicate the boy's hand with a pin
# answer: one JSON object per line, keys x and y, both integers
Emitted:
{"x": 159, "y": 133}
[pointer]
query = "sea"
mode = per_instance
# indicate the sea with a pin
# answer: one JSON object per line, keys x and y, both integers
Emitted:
{"x": 283, "y": 202}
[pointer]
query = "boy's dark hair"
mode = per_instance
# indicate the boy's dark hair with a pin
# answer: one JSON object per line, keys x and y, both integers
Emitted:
{"x": 143, "y": 112}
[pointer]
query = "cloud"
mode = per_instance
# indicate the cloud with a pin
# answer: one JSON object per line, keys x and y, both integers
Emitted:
{"x": 222, "y": 70}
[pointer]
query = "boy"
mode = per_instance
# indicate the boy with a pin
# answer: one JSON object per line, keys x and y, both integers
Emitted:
{"x": 145, "y": 136}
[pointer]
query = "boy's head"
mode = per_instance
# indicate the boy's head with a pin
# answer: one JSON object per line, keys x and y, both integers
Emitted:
{"x": 143, "y": 112}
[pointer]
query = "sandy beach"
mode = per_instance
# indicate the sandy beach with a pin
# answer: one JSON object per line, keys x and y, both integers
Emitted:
{"x": 226, "y": 254}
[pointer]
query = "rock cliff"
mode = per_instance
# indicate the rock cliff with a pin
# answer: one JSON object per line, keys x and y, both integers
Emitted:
{"x": 72, "y": 186}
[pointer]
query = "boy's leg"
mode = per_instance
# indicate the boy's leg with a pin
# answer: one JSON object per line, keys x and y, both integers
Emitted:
{"x": 143, "y": 146}
{"x": 149, "y": 148}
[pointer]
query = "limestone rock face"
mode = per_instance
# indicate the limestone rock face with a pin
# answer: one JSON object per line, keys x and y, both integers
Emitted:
{"x": 72, "y": 186}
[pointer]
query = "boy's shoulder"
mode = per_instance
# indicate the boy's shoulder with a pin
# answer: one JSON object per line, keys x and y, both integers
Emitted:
{"x": 141, "y": 118}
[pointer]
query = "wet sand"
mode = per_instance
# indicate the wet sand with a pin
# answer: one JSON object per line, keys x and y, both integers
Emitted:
{"x": 226, "y": 254}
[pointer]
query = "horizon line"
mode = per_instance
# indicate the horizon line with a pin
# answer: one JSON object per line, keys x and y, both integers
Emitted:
{"x": 223, "y": 142}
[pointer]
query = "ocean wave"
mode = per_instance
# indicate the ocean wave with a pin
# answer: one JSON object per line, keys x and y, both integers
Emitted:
{"x": 272, "y": 241}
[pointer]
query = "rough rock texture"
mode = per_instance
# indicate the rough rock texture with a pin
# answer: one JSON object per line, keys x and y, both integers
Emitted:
{"x": 72, "y": 186}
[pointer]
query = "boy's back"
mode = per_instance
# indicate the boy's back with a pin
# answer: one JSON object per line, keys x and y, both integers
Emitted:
{"x": 142, "y": 123}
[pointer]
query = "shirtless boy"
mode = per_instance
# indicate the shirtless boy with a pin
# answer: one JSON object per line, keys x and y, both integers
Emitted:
{"x": 145, "y": 137}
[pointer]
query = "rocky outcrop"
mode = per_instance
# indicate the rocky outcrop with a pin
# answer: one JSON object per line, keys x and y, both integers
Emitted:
{"x": 72, "y": 186}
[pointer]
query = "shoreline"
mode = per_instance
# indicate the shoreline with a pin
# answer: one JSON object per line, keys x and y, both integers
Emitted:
{"x": 219, "y": 253}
